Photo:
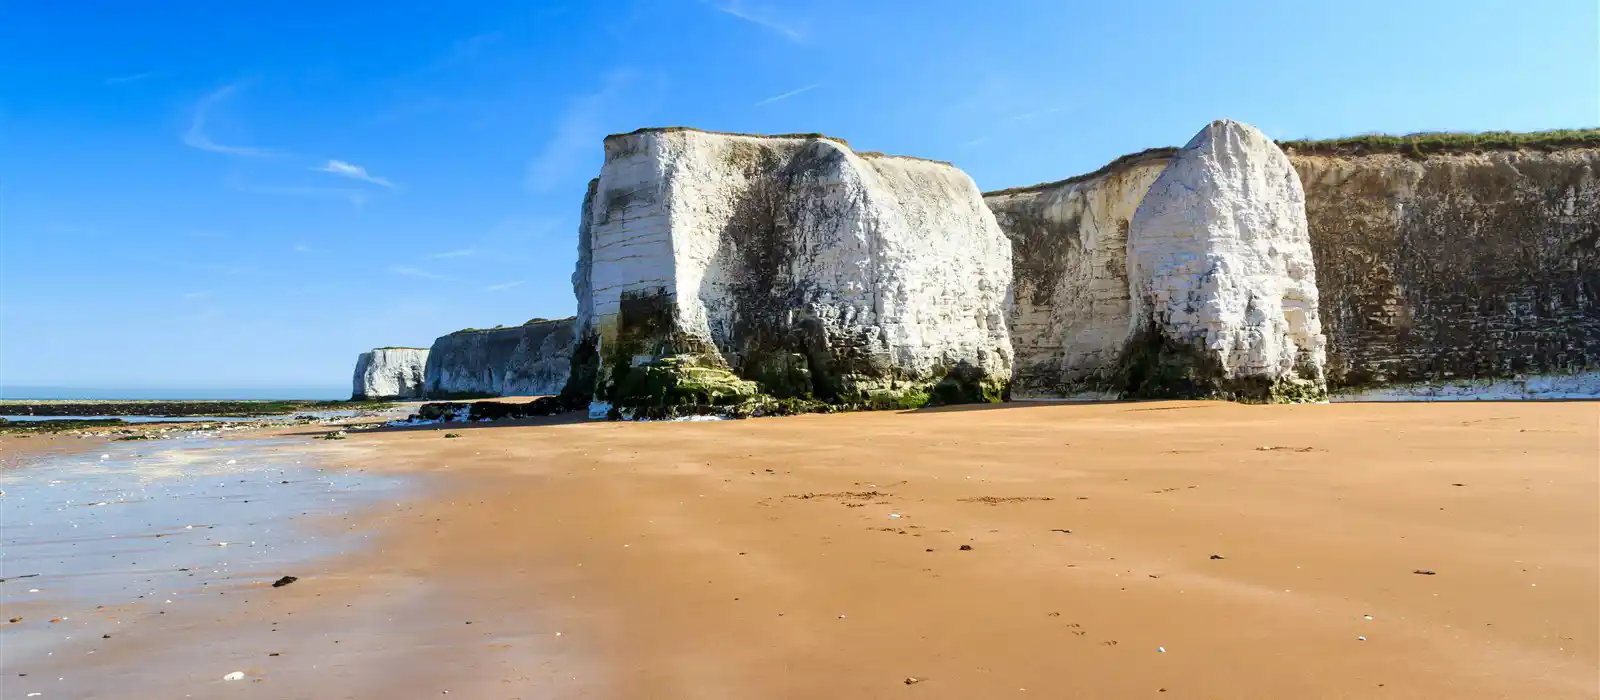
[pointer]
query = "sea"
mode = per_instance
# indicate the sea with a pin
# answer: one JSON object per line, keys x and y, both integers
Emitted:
{"x": 93, "y": 393}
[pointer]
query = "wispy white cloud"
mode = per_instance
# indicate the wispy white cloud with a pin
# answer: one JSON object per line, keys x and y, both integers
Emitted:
{"x": 196, "y": 135}
{"x": 579, "y": 129}
{"x": 352, "y": 195}
{"x": 196, "y": 296}
{"x": 1019, "y": 117}
{"x": 354, "y": 172}
{"x": 787, "y": 95}
{"x": 304, "y": 249}
{"x": 459, "y": 253}
{"x": 125, "y": 79}
{"x": 760, "y": 15}
{"x": 1025, "y": 116}
{"x": 504, "y": 286}
{"x": 408, "y": 271}
{"x": 224, "y": 268}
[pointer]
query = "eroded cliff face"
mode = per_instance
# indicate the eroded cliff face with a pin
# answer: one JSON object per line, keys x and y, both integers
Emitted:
{"x": 1169, "y": 273}
{"x": 389, "y": 373}
{"x": 1072, "y": 320}
{"x": 1455, "y": 267}
{"x": 1222, "y": 278}
{"x": 533, "y": 359}
{"x": 796, "y": 268}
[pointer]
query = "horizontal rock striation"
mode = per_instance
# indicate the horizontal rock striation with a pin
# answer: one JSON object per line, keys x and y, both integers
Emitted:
{"x": 1454, "y": 267}
{"x": 716, "y": 267}
{"x": 533, "y": 359}
{"x": 1444, "y": 271}
{"x": 389, "y": 373}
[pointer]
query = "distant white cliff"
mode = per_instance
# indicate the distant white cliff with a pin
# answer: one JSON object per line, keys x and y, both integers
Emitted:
{"x": 389, "y": 373}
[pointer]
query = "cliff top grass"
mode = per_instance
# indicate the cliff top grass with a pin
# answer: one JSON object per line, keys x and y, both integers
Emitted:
{"x": 531, "y": 322}
{"x": 480, "y": 330}
{"x": 398, "y": 347}
{"x": 540, "y": 319}
{"x": 881, "y": 154}
{"x": 1415, "y": 145}
{"x": 835, "y": 139}
{"x": 1126, "y": 161}
{"x": 1432, "y": 142}
{"x": 675, "y": 129}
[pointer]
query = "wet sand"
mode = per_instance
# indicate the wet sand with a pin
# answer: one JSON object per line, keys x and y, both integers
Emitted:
{"x": 1173, "y": 550}
{"x": 18, "y": 450}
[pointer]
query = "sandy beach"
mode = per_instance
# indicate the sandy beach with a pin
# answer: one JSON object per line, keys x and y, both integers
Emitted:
{"x": 1177, "y": 549}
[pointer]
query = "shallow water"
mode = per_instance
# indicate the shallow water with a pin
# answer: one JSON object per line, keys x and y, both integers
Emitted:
{"x": 185, "y": 419}
{"x": 159, "y": 525}
{"x": 137, "y": 419}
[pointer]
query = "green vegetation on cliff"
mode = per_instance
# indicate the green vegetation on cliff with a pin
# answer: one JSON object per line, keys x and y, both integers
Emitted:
{"x": 1427, "y": 143}
{"x": 1157, "y": 367}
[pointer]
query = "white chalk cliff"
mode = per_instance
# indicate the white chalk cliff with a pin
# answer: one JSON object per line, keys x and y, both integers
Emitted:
{"x": 1221, "y": 271}
{"x": 1069, "y": 241}
{"x": 793, "y": 261}
{"x": 389, "y": 373}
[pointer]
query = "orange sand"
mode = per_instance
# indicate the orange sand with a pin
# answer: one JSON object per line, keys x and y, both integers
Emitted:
{"x": 759, "y": 559}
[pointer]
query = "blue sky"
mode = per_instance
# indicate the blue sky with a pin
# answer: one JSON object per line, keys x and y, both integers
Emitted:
{"x": 246, "y": 195}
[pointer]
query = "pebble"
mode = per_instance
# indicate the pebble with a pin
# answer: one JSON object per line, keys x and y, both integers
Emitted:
{"x": 235, "y": 676}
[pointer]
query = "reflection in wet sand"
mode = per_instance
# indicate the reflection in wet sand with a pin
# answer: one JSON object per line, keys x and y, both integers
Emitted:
{"x": 93, "y": 544}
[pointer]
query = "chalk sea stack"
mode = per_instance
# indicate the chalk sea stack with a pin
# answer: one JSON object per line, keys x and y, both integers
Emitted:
{"x": 716, "y": 269}
{"x": 389, "y": 373}
{"x": 1222, "y": 284}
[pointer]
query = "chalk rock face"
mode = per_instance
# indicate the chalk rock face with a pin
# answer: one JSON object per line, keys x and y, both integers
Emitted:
{"x": 1221, "y": 276}
{"x": 585, "y": 363}
{"x": 1448, "y": 270}
{"x": 1069, "y": 240}
{"x": 389, "y": 373}
{"x": 794, "y": 262}
{"x": 528, "y": 360}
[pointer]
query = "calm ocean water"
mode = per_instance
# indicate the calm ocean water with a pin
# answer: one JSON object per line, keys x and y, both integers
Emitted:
{"x": 174, "y": 393}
